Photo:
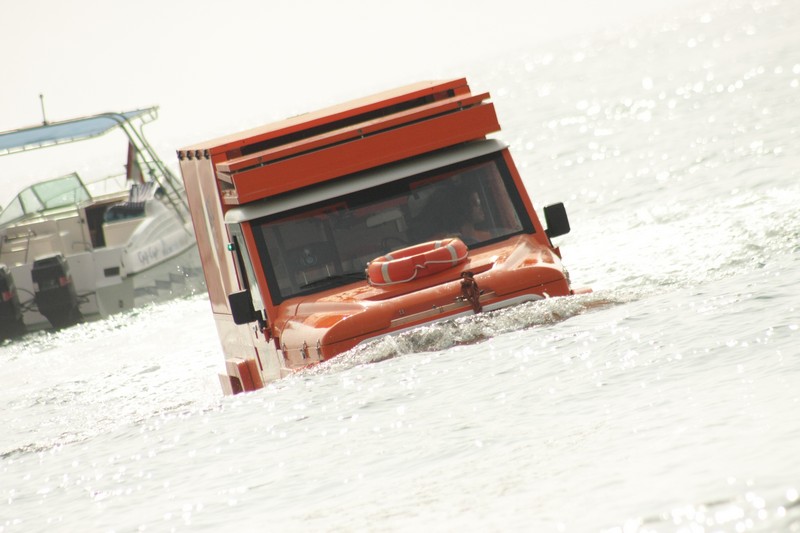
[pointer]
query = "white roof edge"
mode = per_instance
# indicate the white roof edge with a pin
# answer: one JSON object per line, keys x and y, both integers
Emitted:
{"x": 363, "y": 180}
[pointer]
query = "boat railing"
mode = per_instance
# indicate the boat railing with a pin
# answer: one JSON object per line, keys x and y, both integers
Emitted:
{"x": 107, "y": 186}
{"x": 155, "y": 168}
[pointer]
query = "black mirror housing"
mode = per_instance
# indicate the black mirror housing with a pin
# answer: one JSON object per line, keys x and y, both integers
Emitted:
{"x": 557, "y": 221}
{"x": 241, "y": 305}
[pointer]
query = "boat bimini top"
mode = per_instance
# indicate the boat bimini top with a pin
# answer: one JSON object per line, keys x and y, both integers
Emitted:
{"x": 67, "y": 131}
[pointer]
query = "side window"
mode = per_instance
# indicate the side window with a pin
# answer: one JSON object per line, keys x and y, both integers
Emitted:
{"x": 248, "y": 277}
{"x": 302, "y": 251}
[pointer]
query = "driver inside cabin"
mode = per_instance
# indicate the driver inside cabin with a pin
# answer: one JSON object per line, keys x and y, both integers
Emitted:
{"x": 456, "y": 210}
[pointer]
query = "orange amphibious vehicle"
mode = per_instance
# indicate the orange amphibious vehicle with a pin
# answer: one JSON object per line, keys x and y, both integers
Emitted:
{"x": 335, "y": 227}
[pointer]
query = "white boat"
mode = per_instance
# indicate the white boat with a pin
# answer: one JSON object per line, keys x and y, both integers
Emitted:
{"x": 71, "y": 249}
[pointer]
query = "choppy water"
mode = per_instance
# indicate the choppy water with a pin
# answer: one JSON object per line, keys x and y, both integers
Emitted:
{"x": 668, "y": 400}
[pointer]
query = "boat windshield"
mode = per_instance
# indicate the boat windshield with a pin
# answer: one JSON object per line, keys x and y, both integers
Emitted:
{"x": 329, "y": 244}
{"x": 60, "y": 192}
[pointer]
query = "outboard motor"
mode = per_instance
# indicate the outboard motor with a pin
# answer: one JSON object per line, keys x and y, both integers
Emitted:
{"x": 55, "y": 294}
{"x": 11, "y": 324}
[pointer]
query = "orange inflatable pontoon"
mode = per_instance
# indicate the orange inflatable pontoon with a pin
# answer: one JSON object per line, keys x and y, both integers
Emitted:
{"x": 365, "y": 219}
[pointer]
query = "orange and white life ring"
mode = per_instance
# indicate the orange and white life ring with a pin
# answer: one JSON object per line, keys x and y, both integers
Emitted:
{"x": 416, "y": 261}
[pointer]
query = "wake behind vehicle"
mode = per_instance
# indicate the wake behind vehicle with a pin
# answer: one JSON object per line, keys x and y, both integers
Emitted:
{"x": 71, "y": 249}
{"x": 336, "y": 227}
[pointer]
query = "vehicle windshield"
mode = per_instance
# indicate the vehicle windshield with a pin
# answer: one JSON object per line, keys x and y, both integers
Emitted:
{"x": 65, "y": 191}
{"x": 330, "y": 243}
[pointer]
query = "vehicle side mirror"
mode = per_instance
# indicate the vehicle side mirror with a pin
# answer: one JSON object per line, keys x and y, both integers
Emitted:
{"x": 241, "y": 305}
{"x": 557, "y": 221}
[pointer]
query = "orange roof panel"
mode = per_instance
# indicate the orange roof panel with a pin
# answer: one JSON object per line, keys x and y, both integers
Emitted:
{"x": 329, "y": 115}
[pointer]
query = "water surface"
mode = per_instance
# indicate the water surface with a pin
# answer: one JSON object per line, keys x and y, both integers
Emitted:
{"x": 667, "y": 400}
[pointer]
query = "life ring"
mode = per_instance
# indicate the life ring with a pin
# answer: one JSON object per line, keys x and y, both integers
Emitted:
{"x": 416, "y": 261}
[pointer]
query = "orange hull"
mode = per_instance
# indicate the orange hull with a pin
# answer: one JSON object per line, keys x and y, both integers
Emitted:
{"x": 331, "y": 323}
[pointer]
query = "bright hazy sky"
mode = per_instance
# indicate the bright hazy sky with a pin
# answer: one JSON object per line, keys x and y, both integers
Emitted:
{"x": 215, "y": 67}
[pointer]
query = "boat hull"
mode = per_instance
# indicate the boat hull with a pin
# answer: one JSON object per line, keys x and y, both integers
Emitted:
{"x": 323, "y": 325}
{"x": 102, "y": 289}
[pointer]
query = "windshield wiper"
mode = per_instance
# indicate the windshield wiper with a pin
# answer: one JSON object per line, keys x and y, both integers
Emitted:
{"x": 347, "y": 276}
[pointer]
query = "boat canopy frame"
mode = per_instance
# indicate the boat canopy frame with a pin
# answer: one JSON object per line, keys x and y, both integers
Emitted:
{"x": 50, "y": 134}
